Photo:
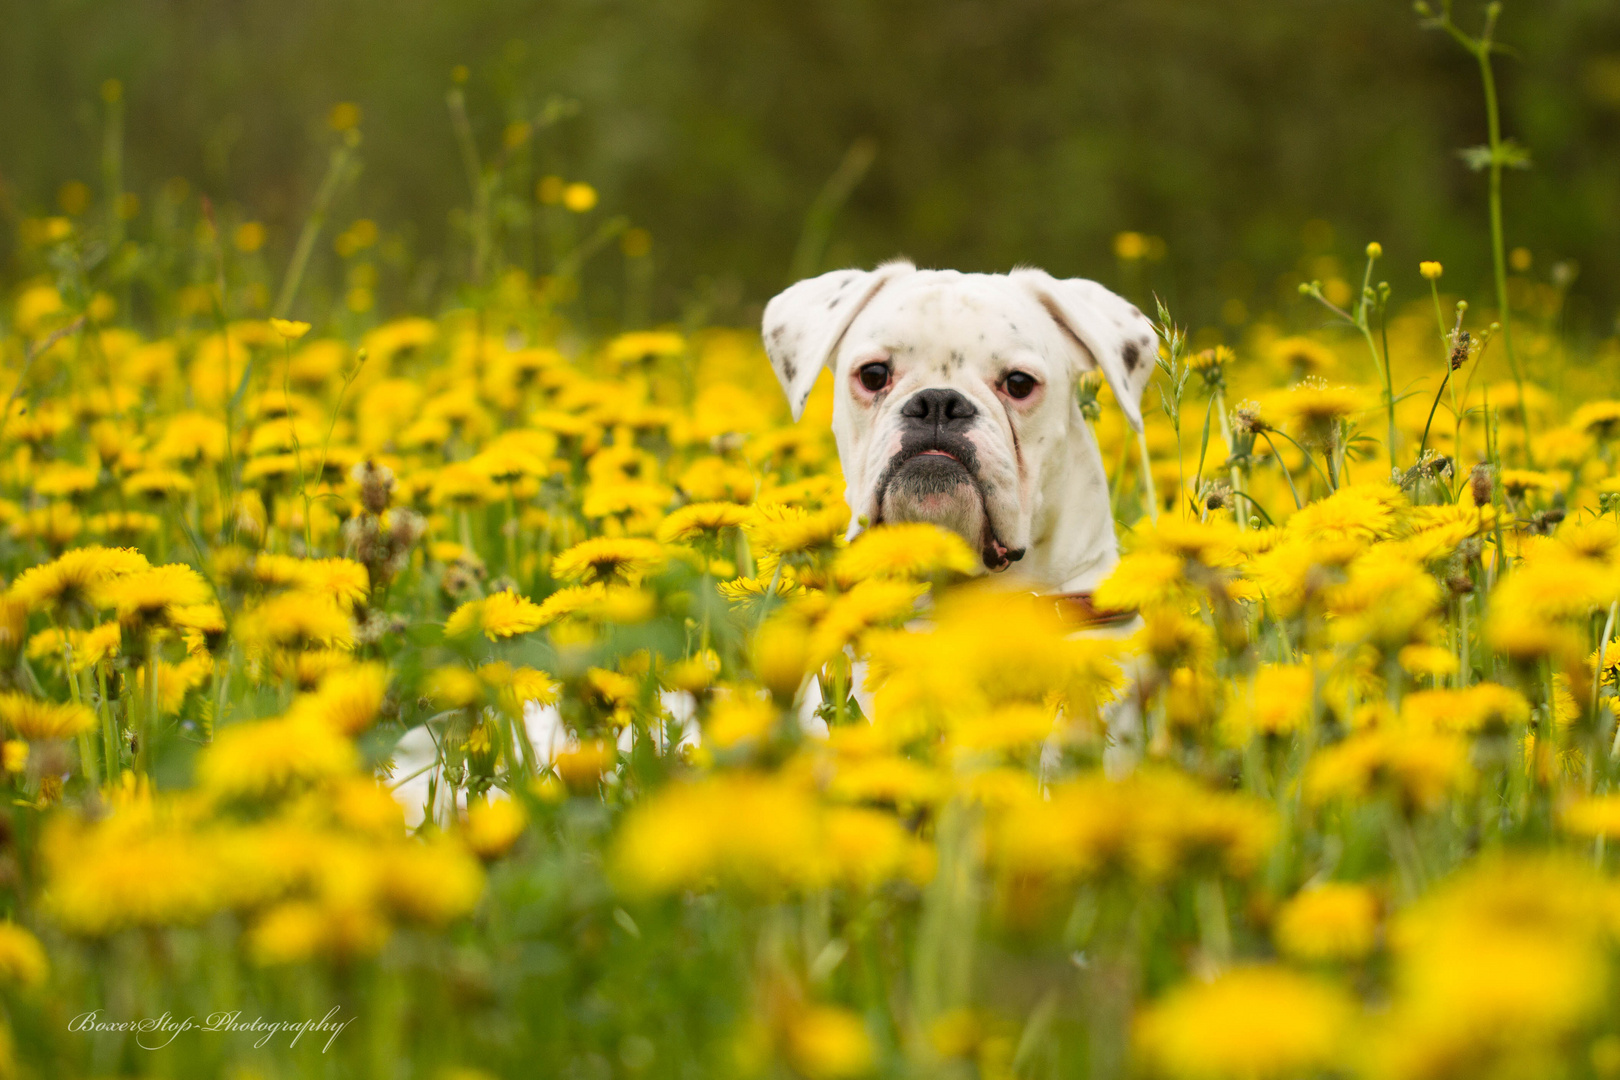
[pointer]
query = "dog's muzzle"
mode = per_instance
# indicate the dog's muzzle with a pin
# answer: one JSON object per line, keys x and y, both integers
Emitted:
{"x": 934, "y": 476}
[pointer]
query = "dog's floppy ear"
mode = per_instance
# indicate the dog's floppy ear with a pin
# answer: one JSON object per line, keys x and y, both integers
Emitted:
{"x": 1119, "y": 338}
{"x": 805, "y": 323}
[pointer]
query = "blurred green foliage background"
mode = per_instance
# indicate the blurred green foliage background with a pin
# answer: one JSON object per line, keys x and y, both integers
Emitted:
{"x": 1255, "y": 138}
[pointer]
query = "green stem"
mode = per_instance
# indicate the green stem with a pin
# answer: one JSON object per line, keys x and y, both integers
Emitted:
{"x": 1307, "y": 455}
{"x": 337, "y": 172}
{"x": 1482, "y": 53}
{"x": 109, "y": 727}
{"x": 476, "y": 181}
{"x": 1148, "y": 491}
{"x": 1283, "y": 465}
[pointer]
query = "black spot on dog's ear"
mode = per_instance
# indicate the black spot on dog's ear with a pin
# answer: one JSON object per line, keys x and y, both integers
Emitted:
{"x": 789, "y": 369}
{"x": 1136, "y": 312}
{"x": 832, "y": 303}
{"x": 777, "y": 332}
{"x": 1132, "y": 355}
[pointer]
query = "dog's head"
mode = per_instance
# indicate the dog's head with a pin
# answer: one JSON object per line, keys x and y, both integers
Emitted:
{"x": 955, "y": 393}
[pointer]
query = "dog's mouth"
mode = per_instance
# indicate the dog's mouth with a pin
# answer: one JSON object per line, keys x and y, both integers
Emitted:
{"x": 938, "y": 484}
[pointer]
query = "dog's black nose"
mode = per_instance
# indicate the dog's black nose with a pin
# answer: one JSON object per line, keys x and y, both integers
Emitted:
{"x": 939, "y": 408}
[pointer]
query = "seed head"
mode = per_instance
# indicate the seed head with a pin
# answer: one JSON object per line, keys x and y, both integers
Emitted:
{"x": 376, "y": 485}
{"x": 1479, "y": 485}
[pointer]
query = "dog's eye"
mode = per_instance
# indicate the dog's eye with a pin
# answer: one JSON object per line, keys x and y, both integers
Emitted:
{"x": 874, "y": 376}
{"x": 1019, "y": 385}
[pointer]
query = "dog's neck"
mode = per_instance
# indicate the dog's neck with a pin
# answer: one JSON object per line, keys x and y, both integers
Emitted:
{"x": 1072, "y": 543}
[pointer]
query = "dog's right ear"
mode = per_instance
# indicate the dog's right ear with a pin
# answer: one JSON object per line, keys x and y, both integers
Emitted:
{"x": 805, "y": 323}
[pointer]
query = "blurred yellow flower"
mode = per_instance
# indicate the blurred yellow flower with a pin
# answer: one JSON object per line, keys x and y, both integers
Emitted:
{"x": 1334, "y": 921}
{"x": 1249, "y": 1023}
{"x": 499, "y": 615}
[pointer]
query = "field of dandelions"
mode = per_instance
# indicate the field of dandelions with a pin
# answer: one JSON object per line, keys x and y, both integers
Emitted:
{"x": 427, "y": 697}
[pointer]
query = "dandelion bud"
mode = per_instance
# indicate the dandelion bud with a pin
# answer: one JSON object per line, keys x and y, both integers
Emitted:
{"x": 1431, "y": 270}
{"x": 1086, "y": 389}
{"x": 1304, "y": 288}
{"x": 1462, "y": 306}
{"x": 1375, "y": 250}
{"x": 1479, "y": 485}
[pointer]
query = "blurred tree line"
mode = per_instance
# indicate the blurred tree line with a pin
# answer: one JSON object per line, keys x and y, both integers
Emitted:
{"x": 1253, "y": 139}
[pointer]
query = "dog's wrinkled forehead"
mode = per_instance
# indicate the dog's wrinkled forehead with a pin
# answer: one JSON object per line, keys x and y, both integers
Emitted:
{"x": 943, "y": 322}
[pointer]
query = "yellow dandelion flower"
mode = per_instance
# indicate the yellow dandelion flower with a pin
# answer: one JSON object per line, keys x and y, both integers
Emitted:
{"x": 1250, "y": 1023}
{"x": 1362, "y": 512}
{"x": 36, "y": 720}
{"x": 344, "y": 580}
{"x": 599, "y": 601}
{"x": 1302, "y": 356}
{"x": 914, "y": 551}
{"x": 826, "y": 1042}
{"x": 266, "y": 757}
{"x": 701, "y": 519}
{"x": 22, "y": 957}
{"x": 605, "y": 558}
{"x": 1421, "y": 768}
{"x": 738, "y": 719}
{"x": 433, "y": 883}
{"x": 1520, "y": 482}
{"x": 1313, "y": 406}
{"x": 493, "y": 826}
{"x": 297, "y": 620}
{"x": 348, "y": 699}
{"x": 1485, "y": 706}
{"x": 874, "y": 602}
{"x": 1430, "y": 270}
{"x": 642, "y": 344}
{"x": 453, "y": 687}
{"x": 1599, "y": 419}
{"x": 1336, "y": 921}
{"x": 71, "y": 578}
{"x": 792, "y": 530}
{"x": 1594, "y": 816}
{"x": 147, "y": 596}
{"x": 519, "y": 686}
{"x": 289, "y": 329}
{"x": 499, "y": 615}
{"x": 158, "y": 483}
{"x": 1280, "y": 703}
{"x": 1145, "y": 579}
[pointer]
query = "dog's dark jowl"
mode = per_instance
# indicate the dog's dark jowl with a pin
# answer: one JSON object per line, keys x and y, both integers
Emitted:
{"x": 934, "y": 476}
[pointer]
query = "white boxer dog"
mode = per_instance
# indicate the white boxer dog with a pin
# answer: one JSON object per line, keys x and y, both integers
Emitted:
{"x": 954, "y": 402}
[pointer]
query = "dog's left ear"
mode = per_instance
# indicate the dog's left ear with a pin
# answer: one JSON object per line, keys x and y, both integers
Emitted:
{"x": 1112, "y": 331}
{"x": 805, "y": 323}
